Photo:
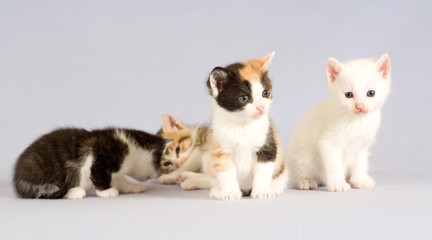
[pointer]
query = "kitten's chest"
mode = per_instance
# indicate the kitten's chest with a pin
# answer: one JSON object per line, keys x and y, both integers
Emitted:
{"x": 360, "y": 133}
{"x": 241, "y": 139}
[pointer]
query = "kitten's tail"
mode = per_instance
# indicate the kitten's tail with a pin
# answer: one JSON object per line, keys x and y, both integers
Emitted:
{"x": 27, "y": 189}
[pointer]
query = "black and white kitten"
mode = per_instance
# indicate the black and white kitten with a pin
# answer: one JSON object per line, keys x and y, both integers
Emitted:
{"x": 67, "y": 162}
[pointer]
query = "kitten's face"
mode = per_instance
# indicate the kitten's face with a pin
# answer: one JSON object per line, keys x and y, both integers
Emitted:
{"x": 179, "y": 150}
{"x": 243, "y": 89}
{"x": 360, "y": 86}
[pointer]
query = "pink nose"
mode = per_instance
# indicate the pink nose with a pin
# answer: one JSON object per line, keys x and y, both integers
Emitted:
{"x": 260, "y": 108}
{"x": 360, "y": 106}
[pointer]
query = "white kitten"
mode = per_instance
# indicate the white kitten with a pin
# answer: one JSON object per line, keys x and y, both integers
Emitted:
{"x": 330, "y": 144}
{"x": 244, "y": 156}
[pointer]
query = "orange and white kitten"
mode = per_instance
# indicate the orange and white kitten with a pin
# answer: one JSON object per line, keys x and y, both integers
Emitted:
{"x": 244, "y": 155}
{"x": 185, "y": 152}
{"x": 331, "y": 142}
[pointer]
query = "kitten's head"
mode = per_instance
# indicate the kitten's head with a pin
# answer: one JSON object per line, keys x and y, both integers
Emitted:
{"x": 178, "y": 151}
{"x": 243, "y": 89}
{"x": 361, "y": 85}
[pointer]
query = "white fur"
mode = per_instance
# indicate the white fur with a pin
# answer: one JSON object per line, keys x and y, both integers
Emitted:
{"x": 75, "y": 193}
{"x": 330, "y": 144}
{"x": 241, "y": 135}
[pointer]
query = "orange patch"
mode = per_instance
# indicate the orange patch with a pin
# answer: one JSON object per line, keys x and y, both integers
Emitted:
{"x": 221, "y": 161}
{"x": 252, "y": 71}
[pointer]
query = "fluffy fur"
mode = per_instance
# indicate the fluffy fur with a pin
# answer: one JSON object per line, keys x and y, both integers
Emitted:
{"x": 244, "y": 155}
{"x": 67, "y": 162}
{"x": 331, "y": 142}
{"x": 189, "y": 144}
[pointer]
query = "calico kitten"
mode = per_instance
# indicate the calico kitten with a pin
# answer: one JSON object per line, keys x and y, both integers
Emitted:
{"x": 244, "y": 154}
{"x": 67, "y": 162}
{"x": 188, "y": 146}
{"x": 330, "y": 144}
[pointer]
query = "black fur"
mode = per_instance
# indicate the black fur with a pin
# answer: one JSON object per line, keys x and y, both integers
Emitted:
{"x": 230, "y": 87}
{"x": 51, "y": 164}
{"x": 268, "y": 151}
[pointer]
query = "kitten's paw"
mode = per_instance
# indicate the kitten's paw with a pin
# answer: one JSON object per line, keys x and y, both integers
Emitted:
{"x": 188, "y": 185}
{"x": 75, "y": 193}
{"x": 366, "y": 182}
{"x": 167, "y": 179}
{"x": 307, "y": 184}
{"x": 181, "y": 178}
{"x": 133, "y": 188}
{"x": 110, "y": 192}
{"x": 234, "y": 194}
{"x": 263, "y": 193}
{"x": 338, "y": 187}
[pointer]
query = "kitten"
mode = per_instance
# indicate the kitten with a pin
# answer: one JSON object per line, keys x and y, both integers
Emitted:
{"x": 67, "y": 162}
{"x": 186, "y": 150}
{"x": 244, "y": 154}
{"x": 330, "y": 144}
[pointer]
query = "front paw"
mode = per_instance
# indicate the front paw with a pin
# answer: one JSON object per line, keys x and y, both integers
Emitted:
{"x": 133, "y": 188}
{"x": 110, "y": 192}
{"x": 338, "y": 186}
{"x": 167, "y": 179}
{"x": 232, "y": 194}
{"x": 264, "y": 193}
{"x": 362, "y": 183}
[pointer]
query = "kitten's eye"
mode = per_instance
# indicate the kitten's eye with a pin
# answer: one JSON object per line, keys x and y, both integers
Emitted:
{"x": 167, "y": 164}
{"x": 266, "y": 94}
{"x": 349, "y": 95}
{"x": 371, "y": 93}
{"x": 178, "y": 149}
{"x": 244, "y": 99}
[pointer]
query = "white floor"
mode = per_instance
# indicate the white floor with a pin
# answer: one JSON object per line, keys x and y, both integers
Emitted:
{"x": 398, "y": 208}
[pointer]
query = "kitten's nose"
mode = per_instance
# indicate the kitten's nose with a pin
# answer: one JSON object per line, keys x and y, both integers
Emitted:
{"x": 260, "y": 108}
{"x": 360, "y": 106}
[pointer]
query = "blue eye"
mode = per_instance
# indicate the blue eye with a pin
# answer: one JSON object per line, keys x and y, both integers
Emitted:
{"x": 244, "y": 99}
{"x": 266, "y": 94}
{"x": 349, "y": 95}
{"x": 371, "y": 93}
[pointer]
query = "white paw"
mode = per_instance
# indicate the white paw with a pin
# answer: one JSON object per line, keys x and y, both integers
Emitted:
{"x": 234, "y": 194}
{"x": 307, "y": 184}
{"x": 181, "y": 178}
{"x": 75, "y": 193}
{"x": 188, "y": 185}
{"x": 110, "y": 192}
{"x": 366, "y": 182}
{"x": 263, "y": 193}
{"x": 338, "y": 186}
{"x": 167, "y": 179}
{"x": 133, "y": 188}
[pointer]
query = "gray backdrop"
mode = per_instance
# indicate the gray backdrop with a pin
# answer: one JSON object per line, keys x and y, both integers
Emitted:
{"x": 94, "y": 64}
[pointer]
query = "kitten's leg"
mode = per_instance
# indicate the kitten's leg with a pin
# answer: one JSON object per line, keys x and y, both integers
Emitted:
{"x": 334, "y": 173}
{"x": 75, "y": 193}
{"x": 124, "y": 186}
{"x": 227, "y": 187}
{"x": 359, "y": 172}
{"x": 101, "y": 179}
{"x": 170, "y": 178}
{"x": 262, "y": 180}
{"x": 194, "y": 181}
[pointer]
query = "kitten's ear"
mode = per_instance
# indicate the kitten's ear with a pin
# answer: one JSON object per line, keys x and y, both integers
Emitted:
{"x": 170, "y": 123}
{"x": 334, "y": 67}
{"x": 267, "y": 60}
{"x": 383, "y": 65}
{"x": 217, "y": 80}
